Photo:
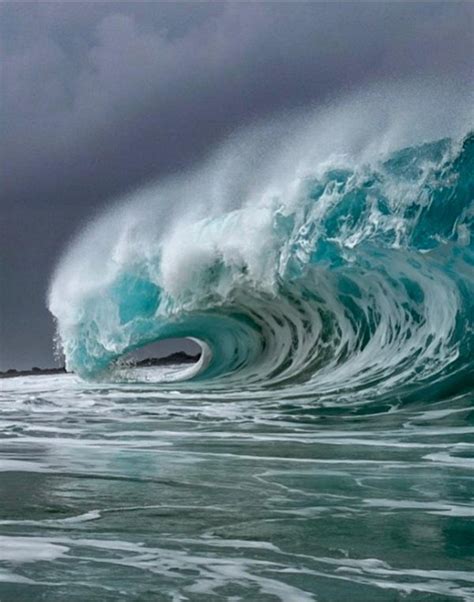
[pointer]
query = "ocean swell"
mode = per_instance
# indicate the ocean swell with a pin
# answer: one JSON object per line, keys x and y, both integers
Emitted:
{"x": 356, "y": 281}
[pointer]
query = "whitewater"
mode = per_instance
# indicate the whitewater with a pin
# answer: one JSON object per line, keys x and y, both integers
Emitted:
{"x": 322, "y": 446}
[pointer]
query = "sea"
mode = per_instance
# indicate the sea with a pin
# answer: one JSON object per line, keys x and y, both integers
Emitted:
{"x": 322, "y": 447}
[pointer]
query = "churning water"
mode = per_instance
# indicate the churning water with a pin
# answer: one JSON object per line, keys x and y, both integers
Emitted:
{"x": 322, "y": 447}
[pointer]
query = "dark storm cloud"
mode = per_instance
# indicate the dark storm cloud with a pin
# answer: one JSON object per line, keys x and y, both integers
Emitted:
{"x": 99, "y": 97}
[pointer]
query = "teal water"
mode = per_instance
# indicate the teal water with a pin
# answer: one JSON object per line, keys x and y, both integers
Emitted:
{"x": 355, "y": 280}
{"x": 322, "y": 447}
{"x": 123, "y": 492}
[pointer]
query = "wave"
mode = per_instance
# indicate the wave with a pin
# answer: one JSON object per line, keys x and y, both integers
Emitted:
{"x": 352, "y": 277}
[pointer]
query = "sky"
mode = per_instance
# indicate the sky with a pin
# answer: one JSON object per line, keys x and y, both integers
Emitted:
{"x": 99, "y": 98}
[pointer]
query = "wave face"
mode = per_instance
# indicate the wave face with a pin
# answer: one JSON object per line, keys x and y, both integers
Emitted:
{"x": 354, "y": 279}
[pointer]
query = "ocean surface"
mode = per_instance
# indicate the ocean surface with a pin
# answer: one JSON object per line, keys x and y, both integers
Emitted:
{"x": 123, "y": 492}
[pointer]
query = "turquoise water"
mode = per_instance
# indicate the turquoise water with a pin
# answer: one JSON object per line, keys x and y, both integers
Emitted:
{"x": 123, "y": 492}
{"x": 356, "y": 280}
{"x": 322, "y": 447}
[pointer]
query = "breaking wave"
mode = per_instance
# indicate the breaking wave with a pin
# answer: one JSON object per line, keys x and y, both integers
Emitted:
{"x": 340, "y": 264}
